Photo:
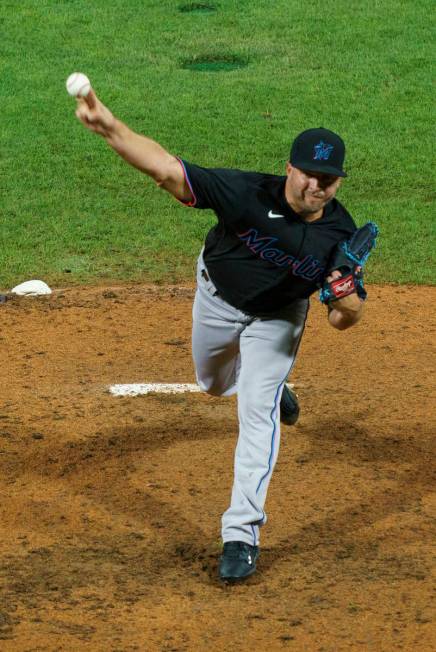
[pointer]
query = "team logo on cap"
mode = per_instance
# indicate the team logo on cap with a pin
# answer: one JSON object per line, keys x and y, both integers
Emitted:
{"x": 322, "y": 151}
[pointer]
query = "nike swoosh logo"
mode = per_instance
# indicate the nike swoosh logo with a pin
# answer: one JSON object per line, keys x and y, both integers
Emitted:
{"x": 273, "y": 215}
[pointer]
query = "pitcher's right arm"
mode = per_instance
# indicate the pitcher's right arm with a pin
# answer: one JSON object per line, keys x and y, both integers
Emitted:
{"x": 139, "y": 151}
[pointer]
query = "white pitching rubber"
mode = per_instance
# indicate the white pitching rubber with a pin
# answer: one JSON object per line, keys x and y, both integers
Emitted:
{"x": 137, "y": 389}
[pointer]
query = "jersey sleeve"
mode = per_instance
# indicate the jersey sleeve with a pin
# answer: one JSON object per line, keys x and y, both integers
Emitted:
{"x": 210, "y": 187}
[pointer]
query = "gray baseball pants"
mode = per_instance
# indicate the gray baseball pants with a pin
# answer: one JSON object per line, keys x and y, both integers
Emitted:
{"x": 252, "y": 356}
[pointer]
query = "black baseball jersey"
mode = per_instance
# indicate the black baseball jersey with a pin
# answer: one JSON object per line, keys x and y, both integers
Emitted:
{"x": 261, "y": 255}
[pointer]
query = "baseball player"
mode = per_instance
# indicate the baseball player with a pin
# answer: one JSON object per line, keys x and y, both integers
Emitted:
{"x": 274, "y": 244}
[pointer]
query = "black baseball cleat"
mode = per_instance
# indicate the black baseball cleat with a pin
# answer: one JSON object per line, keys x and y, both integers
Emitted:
{"x": 238, "y": 561}
{"x": 289, "y": 408}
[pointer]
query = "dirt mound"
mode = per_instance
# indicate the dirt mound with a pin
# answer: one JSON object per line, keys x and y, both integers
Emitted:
{"x": 111, "y": 506}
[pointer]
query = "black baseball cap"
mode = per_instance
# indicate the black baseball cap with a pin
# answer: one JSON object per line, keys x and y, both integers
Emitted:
{"x": 319, "y": 150}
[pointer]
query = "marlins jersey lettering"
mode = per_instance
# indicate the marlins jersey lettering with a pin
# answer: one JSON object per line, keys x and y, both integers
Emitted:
{"x": 261, "y": 255}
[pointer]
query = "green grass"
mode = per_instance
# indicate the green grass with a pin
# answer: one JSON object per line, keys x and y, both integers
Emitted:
{"x": 72, "y": 212}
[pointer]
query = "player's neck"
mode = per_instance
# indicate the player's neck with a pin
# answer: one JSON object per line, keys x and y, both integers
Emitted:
{"x": 307, "y": 216}
{"x": 312, "y": 217}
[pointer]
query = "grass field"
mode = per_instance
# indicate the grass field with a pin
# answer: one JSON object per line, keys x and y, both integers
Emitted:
{"x": 72, "y": 212}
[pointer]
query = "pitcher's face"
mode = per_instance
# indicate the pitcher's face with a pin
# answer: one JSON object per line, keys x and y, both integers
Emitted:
{"x": 308, "y": 192}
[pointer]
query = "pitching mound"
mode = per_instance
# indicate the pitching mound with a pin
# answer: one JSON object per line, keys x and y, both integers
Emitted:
{"x": 111, "y": 506}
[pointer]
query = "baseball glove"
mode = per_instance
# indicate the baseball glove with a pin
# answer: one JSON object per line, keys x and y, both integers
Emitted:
{"x": 348, "y": 258}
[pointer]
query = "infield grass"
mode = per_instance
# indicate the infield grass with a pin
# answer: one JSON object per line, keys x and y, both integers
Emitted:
{"x": 72, "y": 212}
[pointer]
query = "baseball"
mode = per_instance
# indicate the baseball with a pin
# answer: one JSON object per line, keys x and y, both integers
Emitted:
{"x": 78, "y": 84}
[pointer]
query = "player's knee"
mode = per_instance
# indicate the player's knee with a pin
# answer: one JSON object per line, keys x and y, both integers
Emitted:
{"x": 211, "y": 387}
{"x": 255, "y": 405}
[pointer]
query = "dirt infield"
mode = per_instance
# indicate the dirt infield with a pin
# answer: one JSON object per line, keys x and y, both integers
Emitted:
{"x": 110, "y": 510}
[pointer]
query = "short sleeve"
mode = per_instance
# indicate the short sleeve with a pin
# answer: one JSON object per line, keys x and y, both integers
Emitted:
{"x": 210, "y": 187}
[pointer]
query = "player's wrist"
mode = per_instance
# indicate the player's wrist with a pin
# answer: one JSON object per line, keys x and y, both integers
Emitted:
{"x": 342, "y": 318}
{"x": 114, "y": 129}
{"x": 347, "y": 305}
